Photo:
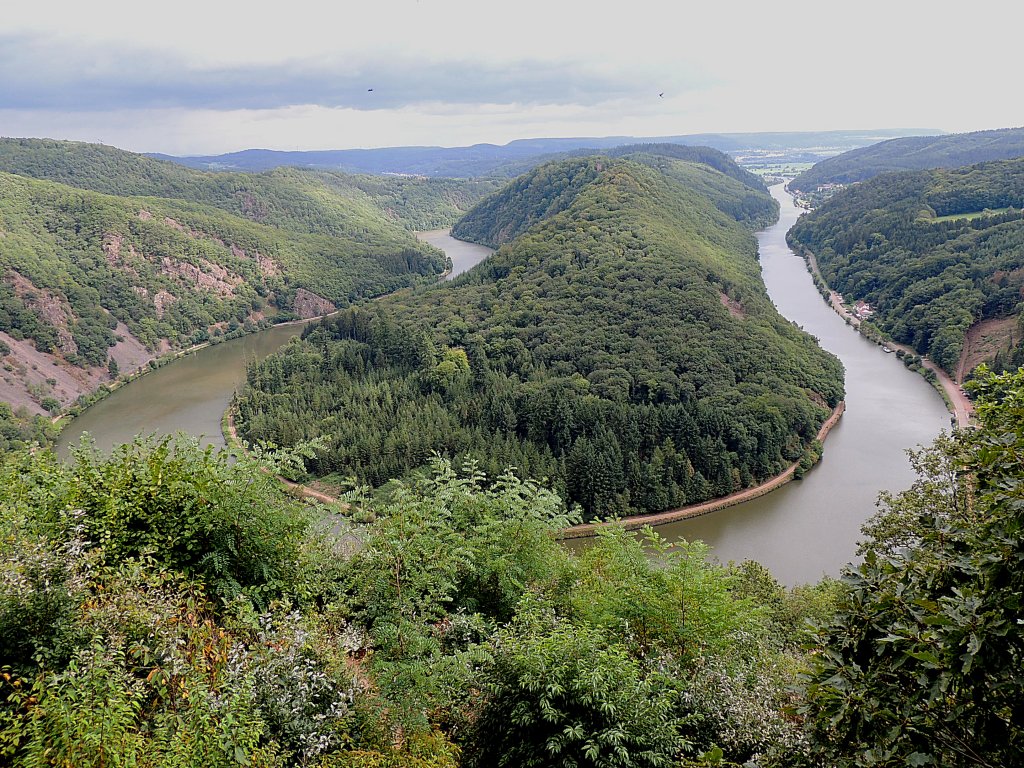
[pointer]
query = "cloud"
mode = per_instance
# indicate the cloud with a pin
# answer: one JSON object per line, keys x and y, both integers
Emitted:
{"x": 42, "y": 74}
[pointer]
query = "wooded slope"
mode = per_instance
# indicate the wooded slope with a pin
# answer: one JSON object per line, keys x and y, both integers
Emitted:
{"x": 913, "y": 153}
{"x": 370, "y": 210}
{"x": 109, "y": 255}
{"x": 620, "y": 344}
{"x": 933, "y": 252}
{"x": 546, "y": 190}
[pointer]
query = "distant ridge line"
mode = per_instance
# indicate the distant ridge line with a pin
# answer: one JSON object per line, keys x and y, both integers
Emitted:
{"x": 483, "y": 158}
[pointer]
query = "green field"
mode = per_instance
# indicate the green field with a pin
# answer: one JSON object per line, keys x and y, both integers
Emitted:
{"x": 776, "y": 169}
{"x": 972, "y": 214}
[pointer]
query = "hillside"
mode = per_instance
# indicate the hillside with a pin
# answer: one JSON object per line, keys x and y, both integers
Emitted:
{"x": 700, "y": 155}
{"x": 365, "y": 209}
{"x": 540, "y": 194}
{"x": 937, "y": 254}
{"x": 88, "y": 278}
{"x": 913, "y": 153}
{"x": 145, "y": 256}
{"x": 620, "y": 344}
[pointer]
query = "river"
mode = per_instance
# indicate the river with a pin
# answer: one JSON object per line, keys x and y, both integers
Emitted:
{"x": 192, "y": 393}
{"x": 804, "y": 530}
{"x": 810, "y": 527}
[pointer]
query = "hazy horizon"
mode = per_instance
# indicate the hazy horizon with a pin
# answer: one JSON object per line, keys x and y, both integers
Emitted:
{"x": 209, "y": 78}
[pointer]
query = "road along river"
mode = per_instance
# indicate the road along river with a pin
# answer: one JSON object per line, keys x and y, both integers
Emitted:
{"x": 803, "y": 530}
{"x": 810, "y": 527}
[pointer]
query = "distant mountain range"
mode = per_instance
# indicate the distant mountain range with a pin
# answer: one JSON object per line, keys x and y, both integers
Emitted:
{"x": 518, "y": 156}
{"x": 912, "y": 153}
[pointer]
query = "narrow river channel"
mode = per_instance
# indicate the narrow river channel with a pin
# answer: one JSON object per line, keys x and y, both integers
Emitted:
{"x": 804, "y": 530}
{"x": 810, "y": 527}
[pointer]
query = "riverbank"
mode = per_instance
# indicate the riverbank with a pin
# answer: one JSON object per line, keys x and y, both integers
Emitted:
{"x": 63, "y": 420}
{"x": 959, "y": 405}
{"x": 465, "y": 256}
{"x": 586, "y": 530}
{"x": 234, "y": 443}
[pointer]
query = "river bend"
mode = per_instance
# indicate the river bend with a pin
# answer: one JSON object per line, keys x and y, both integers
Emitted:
{"x": 803, "y": 530}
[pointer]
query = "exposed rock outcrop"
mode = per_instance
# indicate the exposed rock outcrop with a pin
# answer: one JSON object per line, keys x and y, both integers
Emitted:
{"x": 308, "y": 304}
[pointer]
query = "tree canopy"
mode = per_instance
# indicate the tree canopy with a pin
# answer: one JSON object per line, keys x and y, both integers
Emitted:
{"x": 164, "y": 607}
{"x": 620, "y": 345}
{"x": 932, "y": 252}
{"x": 922, "y": 663}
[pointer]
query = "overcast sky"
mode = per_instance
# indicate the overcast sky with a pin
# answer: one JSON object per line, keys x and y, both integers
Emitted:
{"x": 191, "y": 77}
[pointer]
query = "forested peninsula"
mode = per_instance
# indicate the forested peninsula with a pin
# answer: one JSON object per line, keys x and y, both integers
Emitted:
{"x": 938, "y": 255}
{"x": 619, "y": 346}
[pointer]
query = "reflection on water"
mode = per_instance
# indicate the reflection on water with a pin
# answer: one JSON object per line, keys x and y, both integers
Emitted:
{"x": 463, "y": 255}
{"x": 189, "y": 395}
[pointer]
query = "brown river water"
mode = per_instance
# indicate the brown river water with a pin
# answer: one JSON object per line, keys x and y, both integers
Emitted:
{"x": 803, "y": 530}
{"x": 192, "y": 393}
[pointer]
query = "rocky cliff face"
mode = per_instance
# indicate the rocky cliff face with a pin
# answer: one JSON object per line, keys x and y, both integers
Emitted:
{"x": 308, "y": 304}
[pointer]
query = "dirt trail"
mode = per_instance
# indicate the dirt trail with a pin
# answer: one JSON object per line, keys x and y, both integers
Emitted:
{"x": 302, "y": 490}
{"x": 983, "y": 340}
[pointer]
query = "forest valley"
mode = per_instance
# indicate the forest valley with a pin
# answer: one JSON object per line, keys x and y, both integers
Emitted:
{"x": 168, "y": 605}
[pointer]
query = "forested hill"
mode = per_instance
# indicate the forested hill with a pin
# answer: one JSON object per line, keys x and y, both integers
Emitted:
{"x": 913, "y": 153}
{"x": 695, "y": 154}
{"x": 938, "y": 254}
{"x": 366, "y": 209}
{"x": 92, "y": 285}
{"x": 623, "y": 347}
{"x": 111, "y": 255}
{"x": 551, "y": 188}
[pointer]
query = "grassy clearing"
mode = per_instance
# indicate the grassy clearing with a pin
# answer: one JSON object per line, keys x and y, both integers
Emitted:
{"x": 971, "y": 215}
{"x": 775, "y": 169}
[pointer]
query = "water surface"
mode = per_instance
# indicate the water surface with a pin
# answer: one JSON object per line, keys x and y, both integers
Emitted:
{"x": 192, "y": 393}
{"x": 810, "y": 527}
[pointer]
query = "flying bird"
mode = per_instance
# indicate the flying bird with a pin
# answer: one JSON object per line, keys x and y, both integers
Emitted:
{"x": 369, "y": 89}
{"x": 661, "y": 95}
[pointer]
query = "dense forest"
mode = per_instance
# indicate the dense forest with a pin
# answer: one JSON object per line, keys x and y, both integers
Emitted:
{"x": 913, "y": 153}
{"x": 78, "y": 265}
{"x": 549, "y": 189}
{"x": 167, "y": 607}
{"x": 619, "y": 346}
{"x": 933, "y": 252}
{"x": 98, "y": 245}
